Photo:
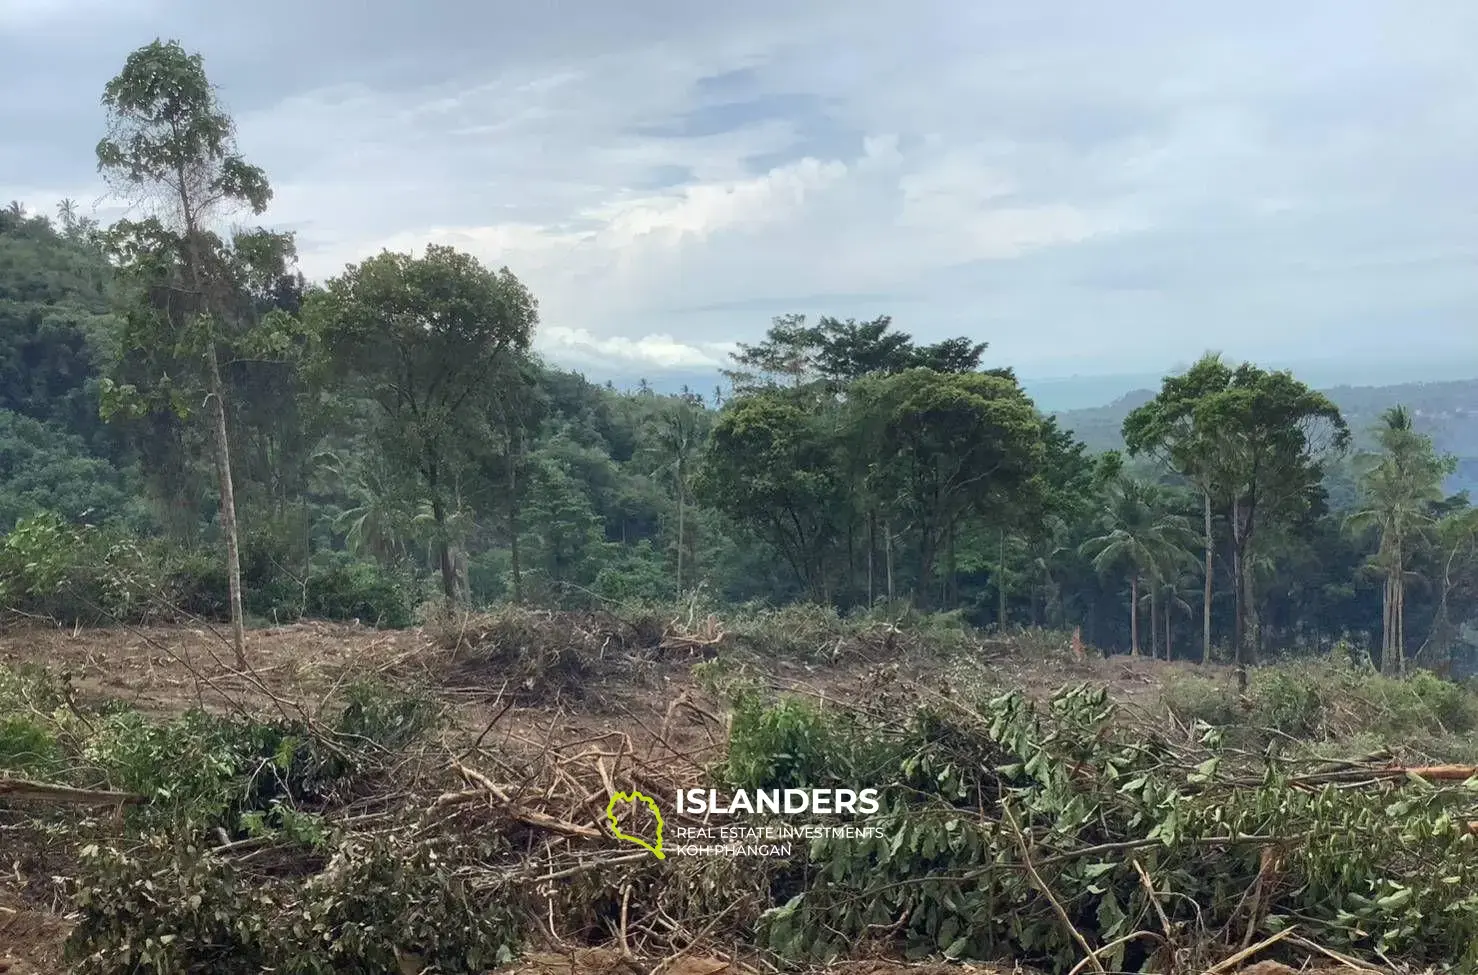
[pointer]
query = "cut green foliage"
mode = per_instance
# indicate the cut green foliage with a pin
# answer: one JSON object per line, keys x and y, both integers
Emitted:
{"x": 948, "y": 874}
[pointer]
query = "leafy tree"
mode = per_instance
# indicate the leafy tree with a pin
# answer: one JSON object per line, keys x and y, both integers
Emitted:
{"x": 1402, "y": 485}
{"x": 170, "y": 143}
{"x": 1170, "y": 428}
{"x": 773, "y": 468}
{"x": 1256, "y": 441}
{"x": 950, "y": 446}
{"x": 429, "y": 340}
{"x": 790, "y": 350}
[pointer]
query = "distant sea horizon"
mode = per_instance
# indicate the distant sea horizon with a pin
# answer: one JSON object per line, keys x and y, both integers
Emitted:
{"x": 1057, "y": 392}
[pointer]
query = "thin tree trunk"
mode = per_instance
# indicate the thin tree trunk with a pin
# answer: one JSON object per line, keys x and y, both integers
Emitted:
{"x": 222, "y": 439}
{"x": 1001, "y": 584}
{"x": 1134, "y": 615}
{"x": 1387, "y": 599}
{"x": 1206, "y": 592}
{"x": 888, "y": 556}
{"x": 513, "y": 559}
{"x": 1154, "y": 621}
{"x": 228, "y": 505}
{"x": 951, "y": 591}
{"x": 1251, "y": 628}
{"x": 1401, "y": 625}
{"x": 444, "y": 549}
{"x": 1169, "y": 618}
{"x": 681, "y": 511}
{"x": 872, "y": 549}
{"x": 1238, "y": 620}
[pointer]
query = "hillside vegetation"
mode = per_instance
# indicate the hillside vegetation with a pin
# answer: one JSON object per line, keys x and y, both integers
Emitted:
{"x": 202, "y": 451}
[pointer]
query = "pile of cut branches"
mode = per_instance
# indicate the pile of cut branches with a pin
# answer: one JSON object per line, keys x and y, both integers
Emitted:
{"x": 1066, "y": 836}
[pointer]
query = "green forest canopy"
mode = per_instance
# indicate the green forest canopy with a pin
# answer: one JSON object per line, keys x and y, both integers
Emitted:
{"x": 393, "y": 439}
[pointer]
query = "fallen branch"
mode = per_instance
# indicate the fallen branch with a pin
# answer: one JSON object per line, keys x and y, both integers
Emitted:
{"x": 46, "y": 792}
{"x": 518, "y": 811}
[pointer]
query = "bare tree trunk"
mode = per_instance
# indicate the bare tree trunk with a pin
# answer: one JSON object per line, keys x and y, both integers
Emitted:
{"x": 1134, "y": 614}
{"x": 444, "y": 549}
{"x": 228, "y": 504}
{"x": 222, "y": 438}
{"x": 1169, "y": 620}
{"x": 681, "y": 524}
{"x": 1154, "y": 620}
{"x": 1401, "y": 624}
{"x": 872, "y": 548}
{"x": 1001, "y": 584}
{"x": 1250, "y": 628}
{"x": 1206, "y": 592}
{"x": 888, "y": 556}
{"x": 1387, "y": 604}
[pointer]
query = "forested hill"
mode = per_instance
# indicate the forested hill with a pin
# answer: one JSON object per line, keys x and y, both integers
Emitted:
{"x": 1445, "y": 411}
{"x": 386, "y": 460}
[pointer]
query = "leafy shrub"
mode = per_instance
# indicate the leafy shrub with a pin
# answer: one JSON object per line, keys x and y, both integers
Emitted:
{"x": 169, "y": 909}
{"x": 202, "y": 770}
{"x": 635, "y": 574}
{"x": 197, "y": 583}
{"x": 27, "y": 748}
{"x": 1194, "y": 698}
{"x": 781, "y": 746}
{"x": 1290, "y": 703}
{"x": 344, "y": 590}
{"x": 74, "y": 573}
{"x": 1330, "y": 699}
{"x": 387, "y": 718}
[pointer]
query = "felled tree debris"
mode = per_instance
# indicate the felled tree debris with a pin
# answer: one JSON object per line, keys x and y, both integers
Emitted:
{"x": 29, "y": 791}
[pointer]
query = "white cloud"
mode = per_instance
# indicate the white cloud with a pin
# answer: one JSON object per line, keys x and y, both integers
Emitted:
{"x": 660, "y": 350}
{"x": 1067, "y": 180}
{"x": 22, "y": 15}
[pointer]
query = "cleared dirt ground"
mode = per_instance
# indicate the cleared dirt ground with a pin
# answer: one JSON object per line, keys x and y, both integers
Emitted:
{"x": 648, "y": 693}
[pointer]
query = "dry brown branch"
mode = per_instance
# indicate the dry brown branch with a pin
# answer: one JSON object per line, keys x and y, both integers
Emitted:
{"x": 25, "y": 789}
{"x": 517, "y": 811}
{"x": 1227, "y": 964}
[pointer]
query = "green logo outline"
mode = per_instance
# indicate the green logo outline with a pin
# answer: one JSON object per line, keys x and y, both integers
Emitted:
{"x": 635, "y": 796}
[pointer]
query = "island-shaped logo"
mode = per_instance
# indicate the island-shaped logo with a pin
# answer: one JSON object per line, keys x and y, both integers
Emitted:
{"x": 635, "y": 796}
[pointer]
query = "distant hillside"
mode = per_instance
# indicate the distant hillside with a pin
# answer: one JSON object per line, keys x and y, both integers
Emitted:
{"x": 1445, "y": 411}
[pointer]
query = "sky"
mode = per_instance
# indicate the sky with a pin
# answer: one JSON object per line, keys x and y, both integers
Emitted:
{"x": 1093, "y": 189}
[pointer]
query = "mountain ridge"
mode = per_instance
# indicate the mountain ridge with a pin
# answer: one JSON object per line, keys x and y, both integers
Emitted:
{"x": 1445, "y": 410}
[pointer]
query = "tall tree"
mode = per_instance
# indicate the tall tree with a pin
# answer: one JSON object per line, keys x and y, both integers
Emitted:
{"x": 429, "y": 340}
{"x": 170, "y": 144}
{"x": 1170, "y": 428}
{"x": 1402, "y": 485}
{"x": 773, "y": 468}
{"x": 676, "y": 438}
{"x": 66, "y": 212}
{"x": 1272, "y": 436}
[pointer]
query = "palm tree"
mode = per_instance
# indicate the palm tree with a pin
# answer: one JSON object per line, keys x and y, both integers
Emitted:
{"x": 380, "y": 522}
{"x": 1141, "y": 539}
{"x": 1401, "y": 484}
{"x": 66, "y": 211}
{"x": 675, "y": 442}
{"x": 1171, "y": 589}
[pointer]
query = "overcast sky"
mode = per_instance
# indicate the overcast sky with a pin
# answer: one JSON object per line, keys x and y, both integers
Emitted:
{"x": 1090, "y": 187}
